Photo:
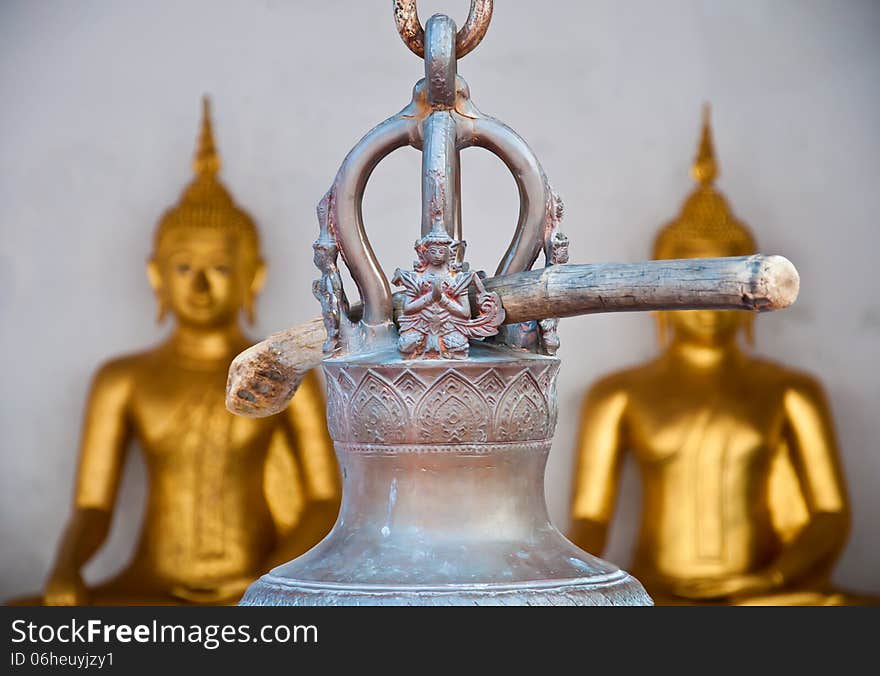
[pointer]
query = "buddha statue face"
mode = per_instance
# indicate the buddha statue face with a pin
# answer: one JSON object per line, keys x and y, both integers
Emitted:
{"x": 202, "y": 277}
{"x": 704, "y": 327}
{"x": 705, "y": 228}
{"x": 206, "y": 265}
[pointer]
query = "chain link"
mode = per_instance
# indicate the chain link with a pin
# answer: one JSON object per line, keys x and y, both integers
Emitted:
{"x": 406, "y": 16}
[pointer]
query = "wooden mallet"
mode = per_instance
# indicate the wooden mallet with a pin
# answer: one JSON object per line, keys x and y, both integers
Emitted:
{"x": 263, "y": 379}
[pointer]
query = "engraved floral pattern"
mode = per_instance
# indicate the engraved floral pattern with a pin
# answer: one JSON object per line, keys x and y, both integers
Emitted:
{"x": 346, "y": 384}
{"x": 377, "y": 413}
{"x": 432, "y": 404}
{"x": 545, "y": 379}
{"x": 336, "y": 410}
{"x": 452, "y": 412}
{"x": 491, "y": 385}
{"x": 411, "y": 388}
{"x": 523, "y": 412}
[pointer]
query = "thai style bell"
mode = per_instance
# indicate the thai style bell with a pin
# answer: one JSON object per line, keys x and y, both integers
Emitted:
{"x": 442, "y": 397}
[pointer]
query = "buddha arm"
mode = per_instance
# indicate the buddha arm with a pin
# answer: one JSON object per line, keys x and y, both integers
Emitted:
{"x": 816, "y": 460}
{"x": 310, "y": 443}
{"x": 814, "y": 455}
{"x": 102, "y": 452}
{"x": 600, "y": 453}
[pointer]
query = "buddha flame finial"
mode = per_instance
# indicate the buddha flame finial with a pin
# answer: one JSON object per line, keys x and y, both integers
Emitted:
{"x": 706, "y": 220}
{"x": 705, "y": 167}
{"x": 206, "y": 161}
{"x": 205, "y": 201}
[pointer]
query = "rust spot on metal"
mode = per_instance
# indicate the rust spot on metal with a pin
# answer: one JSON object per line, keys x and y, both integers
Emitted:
{"x": 406, "y": 17}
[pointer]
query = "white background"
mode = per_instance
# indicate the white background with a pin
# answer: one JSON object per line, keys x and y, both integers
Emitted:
{"x": 99, "y": 105}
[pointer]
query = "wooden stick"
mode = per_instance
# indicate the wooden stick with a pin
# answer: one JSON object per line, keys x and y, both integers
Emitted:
{"x": 263, "y": 378}
{"x": 759, "y": 283}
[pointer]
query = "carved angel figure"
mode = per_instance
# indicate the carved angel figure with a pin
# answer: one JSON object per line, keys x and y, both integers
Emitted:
{"x": 436, "y": 319}
{"x": 555, "y": 253}
{"x": 328, "y": 289}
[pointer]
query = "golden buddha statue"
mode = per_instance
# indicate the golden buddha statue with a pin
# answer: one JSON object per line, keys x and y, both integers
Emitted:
{"x": 743, "y": 494}
{"x": 228, "y": 497}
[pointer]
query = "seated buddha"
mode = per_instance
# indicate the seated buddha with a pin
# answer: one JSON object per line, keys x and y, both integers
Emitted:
{"x": 228, "y": 497}
{"x": 743, "y": 494}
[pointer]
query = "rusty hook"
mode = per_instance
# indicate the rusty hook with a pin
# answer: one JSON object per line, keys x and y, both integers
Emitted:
{"x": 406, "y": 17}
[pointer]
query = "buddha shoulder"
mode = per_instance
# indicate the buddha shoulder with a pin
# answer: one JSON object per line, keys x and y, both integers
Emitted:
{"x": 784, "y": 379}
{"x": 804, "y": 395}
{"x": 120, "y": 373}
{"x": 620, "y": 385}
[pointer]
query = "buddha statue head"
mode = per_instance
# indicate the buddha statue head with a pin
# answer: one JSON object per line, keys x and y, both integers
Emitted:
{"x": 206, "y": 265}
{"x": 705, "y": 228}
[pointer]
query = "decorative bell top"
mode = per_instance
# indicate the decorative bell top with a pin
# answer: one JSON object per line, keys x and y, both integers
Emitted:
{"x": 436, "y": 317}
{"x": 443, "y": 306}
{"x": 441, "y": 417}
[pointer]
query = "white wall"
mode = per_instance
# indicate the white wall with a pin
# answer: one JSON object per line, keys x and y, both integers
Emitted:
{"x": 99, "y": 107}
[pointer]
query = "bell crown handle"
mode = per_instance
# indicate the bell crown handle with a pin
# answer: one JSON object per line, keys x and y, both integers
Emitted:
{"x": 440, "y": 120}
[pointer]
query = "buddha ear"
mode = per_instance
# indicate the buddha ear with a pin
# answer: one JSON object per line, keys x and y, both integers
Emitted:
{"x": 153, "y": 274}
{"x": 253, "y": 290}
{"x": 156, "y": 282}
{"x": 259, "y": 277}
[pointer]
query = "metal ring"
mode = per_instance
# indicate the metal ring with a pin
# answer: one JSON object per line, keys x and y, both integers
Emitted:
{"x": 406, "y": 16}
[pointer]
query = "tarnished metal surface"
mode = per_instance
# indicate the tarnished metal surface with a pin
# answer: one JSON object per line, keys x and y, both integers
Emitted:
{"x": 555, "y": 253}
{"x": 435, "y": 319}
{"x": 441, "y": 120}
{"x": 406, "y": 16}
{"x": 491, "y": 397}
{"x": 443, "y": 465}
{"x": 442, "y": 437}
{"x": 443, "y": 443}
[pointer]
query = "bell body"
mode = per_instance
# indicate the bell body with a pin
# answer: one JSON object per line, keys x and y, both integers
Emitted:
{"x": 443, "y": 491}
